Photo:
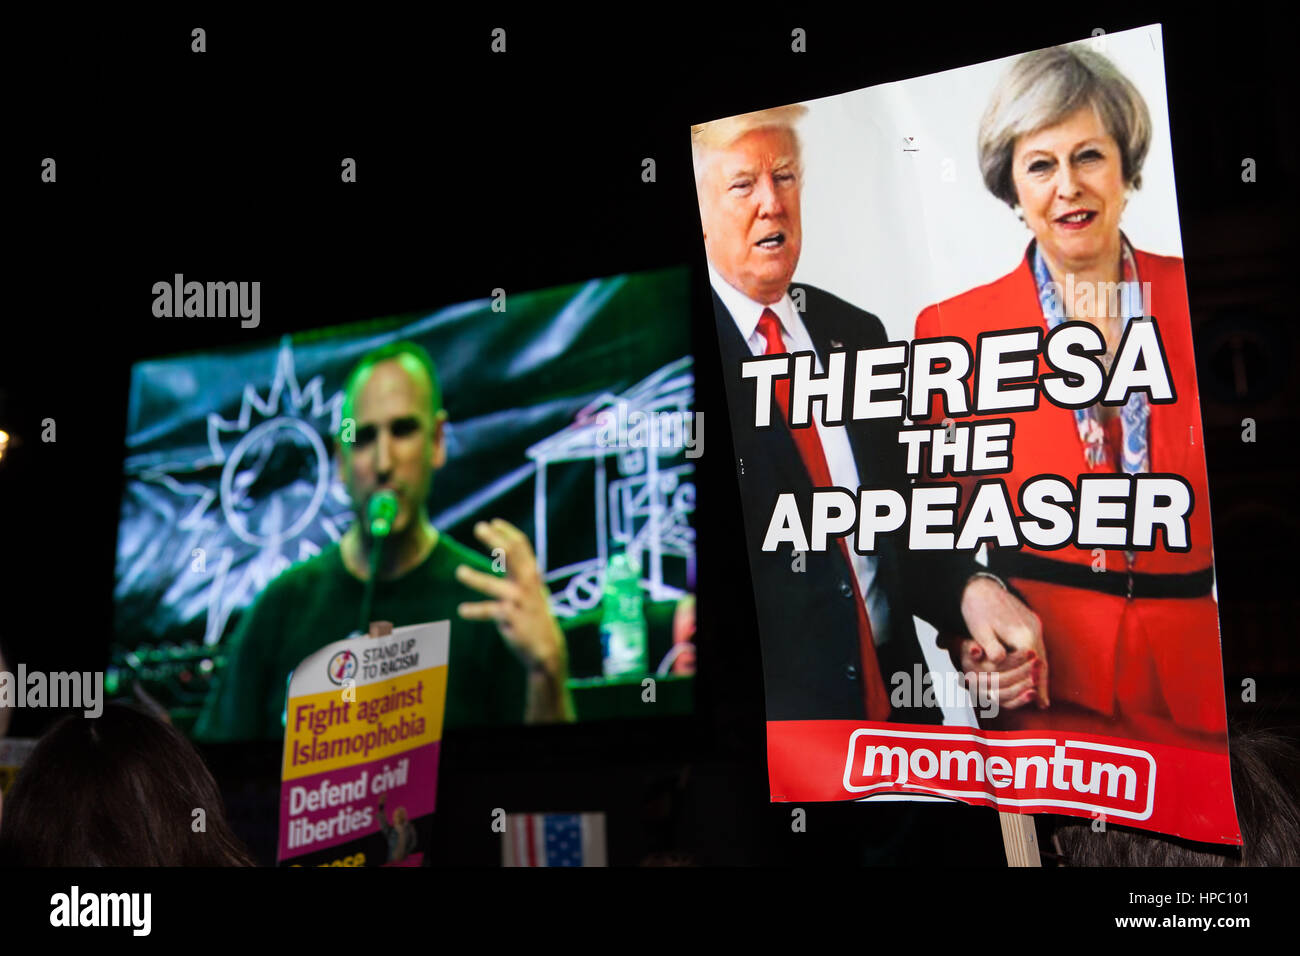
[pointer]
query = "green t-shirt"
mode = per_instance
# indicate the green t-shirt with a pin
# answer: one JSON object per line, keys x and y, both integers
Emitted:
{"x": 318, "y": 601}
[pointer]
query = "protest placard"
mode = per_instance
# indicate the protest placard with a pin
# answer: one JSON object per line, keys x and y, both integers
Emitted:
{"x": 362, "y": 732}
{"x": 975, "y": 501}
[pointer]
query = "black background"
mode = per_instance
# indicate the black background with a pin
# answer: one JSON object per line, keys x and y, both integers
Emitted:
{"x": 523, "y": 170}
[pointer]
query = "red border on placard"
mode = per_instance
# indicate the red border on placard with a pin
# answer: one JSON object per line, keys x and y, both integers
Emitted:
{"x": 1174, "y": 790}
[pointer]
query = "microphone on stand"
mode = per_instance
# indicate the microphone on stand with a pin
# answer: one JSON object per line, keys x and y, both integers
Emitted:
{"x": 380, "y": 512}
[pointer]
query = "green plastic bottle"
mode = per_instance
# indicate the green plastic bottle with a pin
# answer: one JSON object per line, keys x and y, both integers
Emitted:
{"x": 622, "y": 625}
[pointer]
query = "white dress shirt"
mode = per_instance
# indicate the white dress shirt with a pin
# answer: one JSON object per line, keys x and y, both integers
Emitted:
{"x": 745, "y": 312}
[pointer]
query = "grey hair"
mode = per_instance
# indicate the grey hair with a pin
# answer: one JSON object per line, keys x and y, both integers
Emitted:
{"x": 1044, "y": 87}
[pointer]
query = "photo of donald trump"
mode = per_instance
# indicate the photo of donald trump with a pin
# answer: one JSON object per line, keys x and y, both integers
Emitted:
{"x": 835, "y": 626}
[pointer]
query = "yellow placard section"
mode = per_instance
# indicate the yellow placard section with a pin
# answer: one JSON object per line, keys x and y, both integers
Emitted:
{"x": 7, "y": 777}
{"x": 327, "y": 731}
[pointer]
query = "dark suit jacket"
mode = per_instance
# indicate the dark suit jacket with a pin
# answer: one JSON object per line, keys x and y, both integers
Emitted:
{"x": 807, "y": 622}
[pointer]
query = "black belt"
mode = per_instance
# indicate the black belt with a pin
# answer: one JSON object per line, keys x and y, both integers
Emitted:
{"x": 1125, "y": 583}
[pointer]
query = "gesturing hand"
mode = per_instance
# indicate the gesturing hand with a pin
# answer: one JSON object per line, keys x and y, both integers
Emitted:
{"x": 1006, "y": 640}
{"x": 521, "y": 607}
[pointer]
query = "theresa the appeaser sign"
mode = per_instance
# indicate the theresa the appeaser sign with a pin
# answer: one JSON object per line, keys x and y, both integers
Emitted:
{"x": 957, "y": 350}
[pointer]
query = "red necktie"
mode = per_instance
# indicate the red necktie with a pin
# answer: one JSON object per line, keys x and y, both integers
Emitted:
{"x": 814, "y": 459}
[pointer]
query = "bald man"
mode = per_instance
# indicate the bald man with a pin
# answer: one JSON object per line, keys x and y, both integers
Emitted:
{"x": 508, "y": 660}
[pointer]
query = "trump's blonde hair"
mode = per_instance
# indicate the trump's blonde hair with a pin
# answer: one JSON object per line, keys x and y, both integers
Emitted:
{"x": 720, "y": 134}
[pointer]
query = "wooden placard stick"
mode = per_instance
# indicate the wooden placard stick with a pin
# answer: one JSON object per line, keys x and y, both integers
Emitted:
{"x": 1020, "y": 839}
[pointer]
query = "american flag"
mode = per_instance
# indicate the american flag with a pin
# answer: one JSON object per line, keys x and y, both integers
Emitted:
{"x": 554, "y": 839}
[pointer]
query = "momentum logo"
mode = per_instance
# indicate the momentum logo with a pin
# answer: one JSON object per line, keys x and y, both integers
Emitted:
{"x": 1037, "y": 772}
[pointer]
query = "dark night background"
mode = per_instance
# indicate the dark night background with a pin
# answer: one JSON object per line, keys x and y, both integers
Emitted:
{"x": 523, "y": 171}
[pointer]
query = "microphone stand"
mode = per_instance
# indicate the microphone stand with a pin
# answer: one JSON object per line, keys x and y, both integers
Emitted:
{"x": 376, "y": 552}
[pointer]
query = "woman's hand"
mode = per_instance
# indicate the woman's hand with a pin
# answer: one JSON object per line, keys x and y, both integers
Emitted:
{"x": 1006, "y": 641}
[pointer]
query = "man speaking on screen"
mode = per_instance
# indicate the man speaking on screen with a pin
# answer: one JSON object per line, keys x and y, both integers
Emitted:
{"x": 508, "y": 659}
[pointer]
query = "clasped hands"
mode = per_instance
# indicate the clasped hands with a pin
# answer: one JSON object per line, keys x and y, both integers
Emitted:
{"x": 1006, "y": 640}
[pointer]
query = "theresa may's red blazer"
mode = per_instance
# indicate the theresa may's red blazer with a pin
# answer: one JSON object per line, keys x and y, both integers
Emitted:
{"x": 1132, "y": 660}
